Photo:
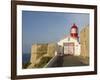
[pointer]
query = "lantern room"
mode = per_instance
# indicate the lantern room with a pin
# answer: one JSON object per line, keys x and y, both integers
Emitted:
{"x": 74, "y": 31}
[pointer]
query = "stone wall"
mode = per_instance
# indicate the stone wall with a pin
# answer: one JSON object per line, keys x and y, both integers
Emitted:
{"x": 52, "y": 47}
{"x": 84, "y": 41}
{"x": 33, "y": 53}
{"x": 40, "y": 50}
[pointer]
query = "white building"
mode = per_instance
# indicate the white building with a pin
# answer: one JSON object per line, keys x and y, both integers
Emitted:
{"x": 70, "y": 45}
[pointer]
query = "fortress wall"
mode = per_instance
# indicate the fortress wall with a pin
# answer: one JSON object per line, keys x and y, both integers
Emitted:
{"x": 84, "y": 41}
{"x": 40, "y": 50}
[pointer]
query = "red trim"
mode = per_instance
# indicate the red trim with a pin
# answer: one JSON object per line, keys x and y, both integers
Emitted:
{"x": 75, "y": 35}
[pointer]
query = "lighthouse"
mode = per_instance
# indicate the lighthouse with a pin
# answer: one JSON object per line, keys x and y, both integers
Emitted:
{"x": 74, "y": 31}
{"x": 70, "y": 45}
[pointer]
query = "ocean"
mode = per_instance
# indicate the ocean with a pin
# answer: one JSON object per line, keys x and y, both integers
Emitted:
{"x": 25, "y": 57}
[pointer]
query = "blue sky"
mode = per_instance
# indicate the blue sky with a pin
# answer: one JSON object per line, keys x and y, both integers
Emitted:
{"x": 44, "y": 27}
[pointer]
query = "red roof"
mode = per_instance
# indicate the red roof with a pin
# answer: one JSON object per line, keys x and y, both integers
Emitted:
{"x": 74, "y": 26}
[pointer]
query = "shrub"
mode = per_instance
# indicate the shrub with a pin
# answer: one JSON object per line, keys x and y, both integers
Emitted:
{"x": 25, "y": 65}
{"x": 43, "y": 62}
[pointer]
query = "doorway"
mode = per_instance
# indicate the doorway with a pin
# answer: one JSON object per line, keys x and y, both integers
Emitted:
{"x": 69, "y": 48}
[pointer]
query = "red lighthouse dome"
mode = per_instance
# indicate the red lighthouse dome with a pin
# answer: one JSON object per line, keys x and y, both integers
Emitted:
{"x": 74, "y": 31}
